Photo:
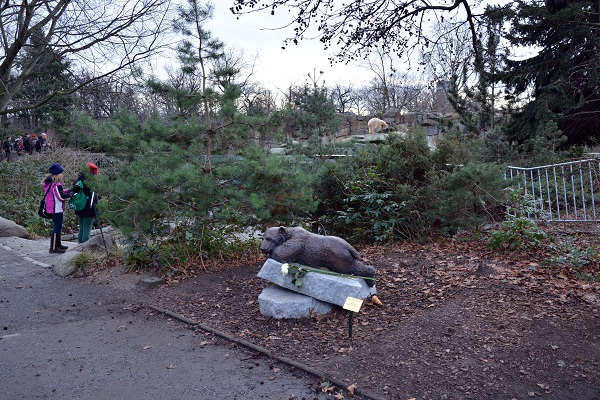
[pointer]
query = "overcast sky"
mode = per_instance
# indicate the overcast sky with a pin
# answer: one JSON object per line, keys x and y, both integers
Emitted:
{"x": 278, "y": 68}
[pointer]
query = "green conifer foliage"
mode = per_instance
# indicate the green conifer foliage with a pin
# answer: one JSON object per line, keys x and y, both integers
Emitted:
{"x": 563, "y": 78}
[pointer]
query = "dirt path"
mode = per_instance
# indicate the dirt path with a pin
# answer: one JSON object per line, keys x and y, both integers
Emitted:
{"x": 458, "y": 322}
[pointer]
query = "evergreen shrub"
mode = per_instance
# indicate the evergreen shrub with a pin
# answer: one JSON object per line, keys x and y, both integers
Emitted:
{"x": 271, "y": 188}
{"x": 467, "y": 196}
{"x": 518, "y": 230}
{"x": 373, "y": 195}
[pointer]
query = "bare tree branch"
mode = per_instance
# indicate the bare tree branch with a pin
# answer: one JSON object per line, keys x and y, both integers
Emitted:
{"x": 359, "y": 26}
{"x": 104, "y": 35}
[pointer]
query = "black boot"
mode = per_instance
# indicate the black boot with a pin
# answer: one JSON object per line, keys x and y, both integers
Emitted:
{"x": 59, "y": 244}
{"x": 53, "y": 242}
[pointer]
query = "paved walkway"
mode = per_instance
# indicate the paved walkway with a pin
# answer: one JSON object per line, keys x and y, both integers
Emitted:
{"x": 68, "y": 338}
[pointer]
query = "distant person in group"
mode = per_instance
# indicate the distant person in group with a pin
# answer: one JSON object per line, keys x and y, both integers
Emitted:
{"x": 86, "y": 216}
{"x": 7, "y": 145}
{"x": 33, "y": 143}
{"x": 18, "y": 146}
{"x": 39, "y": 144}
{"x": 42, "y": 143}
{"x": 56, "y": 200}
{"x": 27, "y": 143}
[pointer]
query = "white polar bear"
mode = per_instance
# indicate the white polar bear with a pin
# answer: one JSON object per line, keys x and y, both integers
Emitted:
{"x": 376, "y": 123}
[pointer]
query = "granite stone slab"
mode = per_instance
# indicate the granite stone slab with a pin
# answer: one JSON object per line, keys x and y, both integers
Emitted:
{"x": 327, "y": 288}
{"x": 280, "y": 303}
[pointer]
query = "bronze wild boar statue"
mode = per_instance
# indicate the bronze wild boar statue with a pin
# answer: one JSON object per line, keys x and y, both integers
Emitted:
{"x": 297, "y": 245}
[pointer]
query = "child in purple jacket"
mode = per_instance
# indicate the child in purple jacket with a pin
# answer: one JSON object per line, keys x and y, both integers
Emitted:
{"x": 56, "y": 199}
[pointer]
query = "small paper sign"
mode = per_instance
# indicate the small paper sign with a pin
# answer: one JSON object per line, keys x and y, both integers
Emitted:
{"x": 352, "y": 304}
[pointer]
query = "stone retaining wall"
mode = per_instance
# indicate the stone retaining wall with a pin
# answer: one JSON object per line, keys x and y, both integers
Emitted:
{"x": 355, "y": 126}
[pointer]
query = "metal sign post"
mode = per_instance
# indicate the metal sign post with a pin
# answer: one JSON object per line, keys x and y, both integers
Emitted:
{"x": 353, "y": 305}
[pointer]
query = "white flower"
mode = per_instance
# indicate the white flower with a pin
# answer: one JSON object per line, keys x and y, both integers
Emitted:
{"x": 284, "y": 269}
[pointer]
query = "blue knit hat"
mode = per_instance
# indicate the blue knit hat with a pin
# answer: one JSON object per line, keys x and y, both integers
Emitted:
{"x": 56, "y": 169}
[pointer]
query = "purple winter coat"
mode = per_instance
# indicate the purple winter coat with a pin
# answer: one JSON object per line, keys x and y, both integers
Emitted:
{"x": 56, "y": 198}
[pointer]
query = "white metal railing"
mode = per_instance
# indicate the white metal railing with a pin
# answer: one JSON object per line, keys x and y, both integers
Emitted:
{"x": 561, "y": 192}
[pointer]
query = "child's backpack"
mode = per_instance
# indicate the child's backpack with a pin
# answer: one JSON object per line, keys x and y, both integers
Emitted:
{"x": 78, "y": 201}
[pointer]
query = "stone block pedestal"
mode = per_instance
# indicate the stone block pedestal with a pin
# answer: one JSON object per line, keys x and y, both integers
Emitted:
{"x": 281, "y": 303}
{"x": 318, "y": 294}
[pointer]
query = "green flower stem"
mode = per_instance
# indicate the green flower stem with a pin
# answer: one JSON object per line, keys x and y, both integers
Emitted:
{"x": 304, "y": 268}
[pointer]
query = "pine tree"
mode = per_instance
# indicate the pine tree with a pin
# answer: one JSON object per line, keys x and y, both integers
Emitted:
{"x": 563, "y": 78}
{"x": 41, "y": 88}
{"x": 195, "y": 52}
{"x": 311, "y": 112}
